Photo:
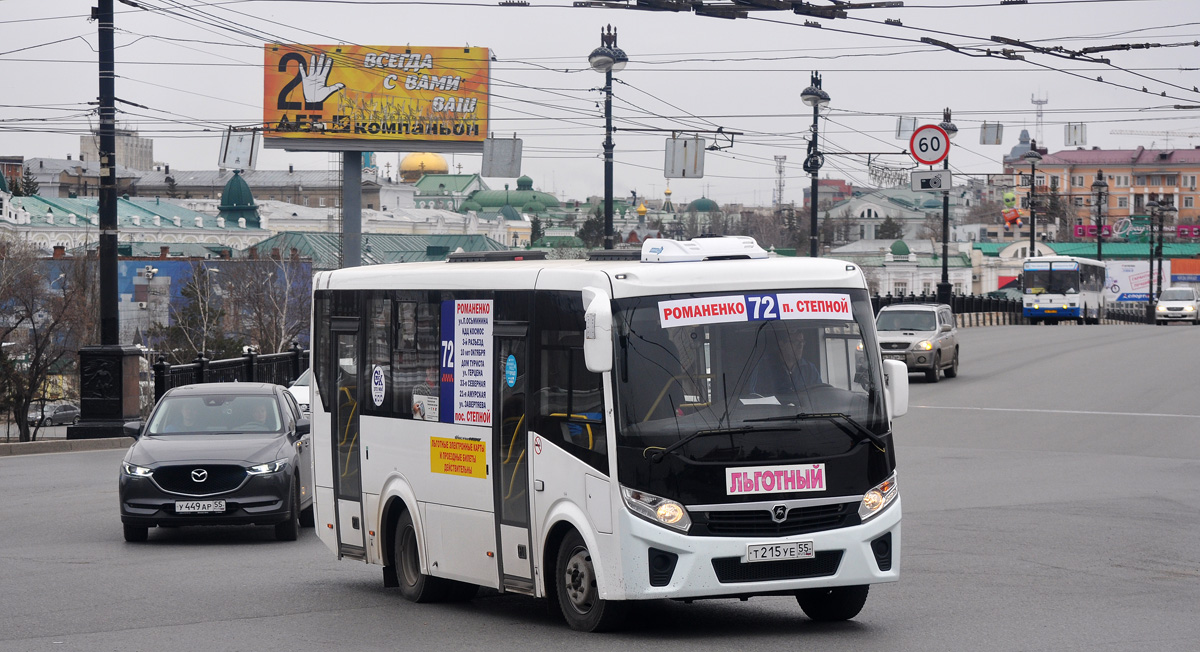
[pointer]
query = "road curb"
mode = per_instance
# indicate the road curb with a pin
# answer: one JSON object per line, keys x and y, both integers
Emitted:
{"x": 64, "y": 446}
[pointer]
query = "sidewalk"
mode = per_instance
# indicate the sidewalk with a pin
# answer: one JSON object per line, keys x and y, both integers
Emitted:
{"x": 63, "y": 445}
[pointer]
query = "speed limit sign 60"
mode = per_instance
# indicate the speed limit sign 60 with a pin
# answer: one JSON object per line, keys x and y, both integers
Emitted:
{"x": 929, "y": 144}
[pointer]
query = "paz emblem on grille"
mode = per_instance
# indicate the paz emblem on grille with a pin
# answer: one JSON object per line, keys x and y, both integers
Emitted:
{"x": 199, "y": 475}
{"x": 779, "y": 513}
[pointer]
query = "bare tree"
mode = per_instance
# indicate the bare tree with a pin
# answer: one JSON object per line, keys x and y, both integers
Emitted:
{"x": 931, "y": 228}
{"x": 988, "y": 212}
{"x": 270, "y": 303}
{"x": 198, "y": 320}
{"x": 767, "y": 229}
{"x": 47, "y": 313}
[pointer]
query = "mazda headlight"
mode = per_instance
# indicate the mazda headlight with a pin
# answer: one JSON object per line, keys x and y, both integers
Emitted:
{"x": 1162, "y": 308}
{"x": 136, "y": 471}
{"x": 656, "y": 509}
{"x": 924, "y": 345}
{"x": 878, "y": 498}
{"x": 269, "y": 467}
{"x": 1189, "y": 308}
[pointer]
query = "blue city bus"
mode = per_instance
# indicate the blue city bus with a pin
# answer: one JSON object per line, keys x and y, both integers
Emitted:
{"x": 1059, "y": 288}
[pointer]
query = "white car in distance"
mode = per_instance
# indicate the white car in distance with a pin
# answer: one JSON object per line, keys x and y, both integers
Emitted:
{"x": 300, "y": 390}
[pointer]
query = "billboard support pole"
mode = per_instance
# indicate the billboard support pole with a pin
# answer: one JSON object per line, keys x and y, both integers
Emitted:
{"x": 351, "y": 209}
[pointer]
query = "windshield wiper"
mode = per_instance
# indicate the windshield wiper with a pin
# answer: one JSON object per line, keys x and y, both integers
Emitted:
{"x": 658, "y": 455}
{"x": 843, "y": 421}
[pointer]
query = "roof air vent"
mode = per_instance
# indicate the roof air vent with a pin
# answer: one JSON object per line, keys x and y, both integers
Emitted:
{"x": 659, "y": 250}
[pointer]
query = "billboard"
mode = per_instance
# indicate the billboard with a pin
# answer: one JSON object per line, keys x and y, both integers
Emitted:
{"x": 375, "y": 98}
{"x": 1130, "y": 280}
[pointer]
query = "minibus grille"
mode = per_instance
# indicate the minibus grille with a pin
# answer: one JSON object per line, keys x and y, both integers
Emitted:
{"x": 732, "y": 569}
{"x": 217, "y": 478}
{"x": 759, "y": 523}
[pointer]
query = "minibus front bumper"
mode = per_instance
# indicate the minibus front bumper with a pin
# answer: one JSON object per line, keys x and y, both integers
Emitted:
{"x": 665, "y": 563}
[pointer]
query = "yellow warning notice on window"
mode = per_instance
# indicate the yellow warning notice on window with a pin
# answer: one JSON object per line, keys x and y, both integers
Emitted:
{"x": 465, "y": 457}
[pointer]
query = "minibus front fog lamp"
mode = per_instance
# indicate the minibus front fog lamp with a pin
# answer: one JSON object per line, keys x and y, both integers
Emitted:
{"x": 878, "y": 498}
{"x": 656, "y": 509}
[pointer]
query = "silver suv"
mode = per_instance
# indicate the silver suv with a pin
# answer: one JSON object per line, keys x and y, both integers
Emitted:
{"x": 921, "y": 335}
{"x": 1177, "y": 304}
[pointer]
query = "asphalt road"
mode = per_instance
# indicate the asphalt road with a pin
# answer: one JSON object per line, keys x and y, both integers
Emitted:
{"x": 1049, "y": 504}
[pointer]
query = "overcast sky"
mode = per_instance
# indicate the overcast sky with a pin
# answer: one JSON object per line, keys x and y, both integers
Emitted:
{"x": 198, "y": 65}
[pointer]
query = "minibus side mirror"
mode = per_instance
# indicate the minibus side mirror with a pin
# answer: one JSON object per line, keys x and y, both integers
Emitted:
{"x": 597, "y": 330}
{"x": 895, "y": 382}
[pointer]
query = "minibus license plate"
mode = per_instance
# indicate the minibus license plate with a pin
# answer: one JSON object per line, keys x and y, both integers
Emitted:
{"x": 779, "y": 551}
{"x": 199, "y": 506}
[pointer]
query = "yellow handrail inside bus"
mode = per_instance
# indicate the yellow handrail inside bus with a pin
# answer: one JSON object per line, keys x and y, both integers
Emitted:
{"x": 346, "y": 434}
{"x": 513, "y": 481}
{"x": 513, "y": 442}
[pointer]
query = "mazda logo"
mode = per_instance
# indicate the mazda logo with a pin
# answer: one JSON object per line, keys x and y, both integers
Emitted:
{"x": 779, "y": 513}
{"x": 199, "y": 475}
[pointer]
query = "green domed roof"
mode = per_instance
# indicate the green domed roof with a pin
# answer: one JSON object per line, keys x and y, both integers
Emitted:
{"x": 932, "y": 203}
{"x": 3, "y": 184}
{"x": 237, "y": 201}
{"x": 534, "y": 206}
{"x": 470, "y": 205}
{"x": 703, "y": 205}
{"x": 492, "y": 200}
{"x": 899, "y": 248}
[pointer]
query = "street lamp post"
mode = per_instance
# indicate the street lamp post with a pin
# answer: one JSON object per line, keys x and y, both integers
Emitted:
{"x": 943, "y": 288}
{"x": 1152, "y": 206}
{"x": 1163, "y": 210}
{"x": 1033, "y": 157}
{"x": 1100, "y": 190}
{"x": 606, "y": 59}
{"x": 816, "y": 98}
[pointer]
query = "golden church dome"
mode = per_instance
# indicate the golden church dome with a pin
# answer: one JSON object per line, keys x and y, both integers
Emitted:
{"x": 413, "y": 166}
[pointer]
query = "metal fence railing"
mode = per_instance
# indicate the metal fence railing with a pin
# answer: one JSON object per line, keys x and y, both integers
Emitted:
{"x": 980, "y": 310}
{"x": 277, "y": 368}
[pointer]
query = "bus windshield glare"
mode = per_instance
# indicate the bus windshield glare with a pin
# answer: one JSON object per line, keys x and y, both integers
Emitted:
{"x": 754, "y": 382}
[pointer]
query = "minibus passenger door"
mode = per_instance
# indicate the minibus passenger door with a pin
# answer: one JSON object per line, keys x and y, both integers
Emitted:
{"x": 511, "y": 457}
{"x": 344, "y": 411}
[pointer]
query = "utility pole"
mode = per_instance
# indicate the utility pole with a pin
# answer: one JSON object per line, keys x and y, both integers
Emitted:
{"x": 109, "y": 321}
{"x": 108, "y": 373}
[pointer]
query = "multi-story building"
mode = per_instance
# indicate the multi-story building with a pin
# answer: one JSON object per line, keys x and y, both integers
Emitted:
{"x": 1134, "y": 177}
{"x": 133, "y": 151}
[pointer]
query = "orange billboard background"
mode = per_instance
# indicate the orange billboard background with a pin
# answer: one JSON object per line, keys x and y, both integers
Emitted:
{"x": 375, "y": 93}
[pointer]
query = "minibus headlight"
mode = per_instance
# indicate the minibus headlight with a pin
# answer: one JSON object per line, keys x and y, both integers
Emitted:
{"x": 924, "y": 345}
{"x": 269, "y": 467}
{"x": 878, "y": 498}
{"x": 1036, "y": 307}
{"x": 656, "y": 509}
{"x": 136, "y": 471}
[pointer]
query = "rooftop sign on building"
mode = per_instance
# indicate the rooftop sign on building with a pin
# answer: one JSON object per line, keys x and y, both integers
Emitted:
{"x": 375, "y": 98}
